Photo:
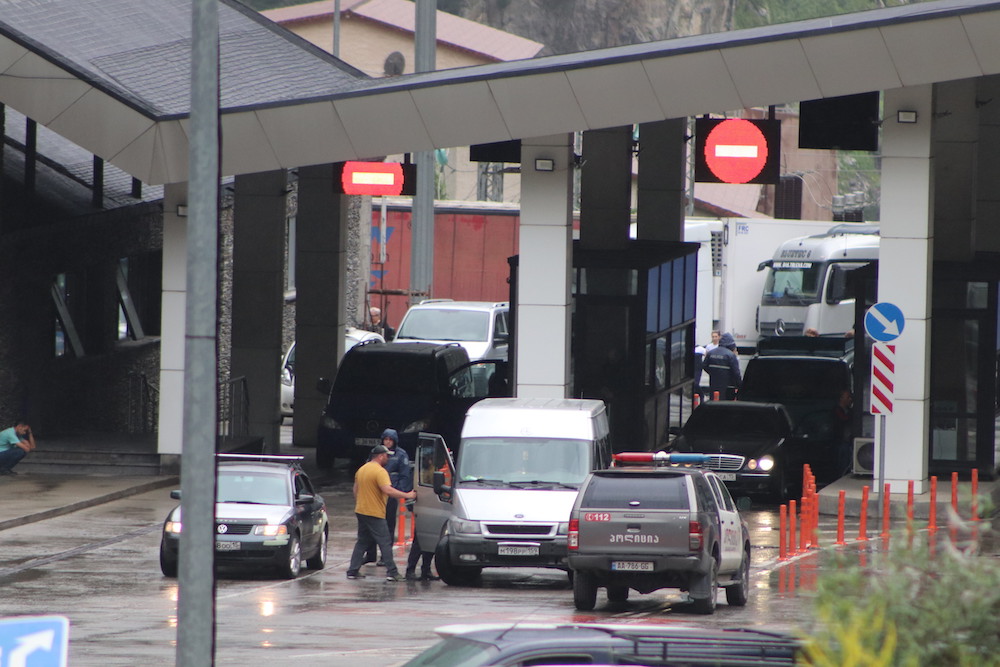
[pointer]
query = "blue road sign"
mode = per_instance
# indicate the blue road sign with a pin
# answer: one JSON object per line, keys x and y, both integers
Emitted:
{"x": 34, "y": 641}
{"x": 884, "y": 322}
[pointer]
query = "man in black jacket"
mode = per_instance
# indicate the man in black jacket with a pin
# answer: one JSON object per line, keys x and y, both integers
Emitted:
{"x": 723, "y": 368}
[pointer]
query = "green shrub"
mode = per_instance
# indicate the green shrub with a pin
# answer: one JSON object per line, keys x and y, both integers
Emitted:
{"x": 910, "y": 606}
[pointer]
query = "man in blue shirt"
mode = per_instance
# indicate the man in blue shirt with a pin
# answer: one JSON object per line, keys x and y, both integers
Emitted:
{"x": 15, "y": 443}
{"x": 723, "y": 368}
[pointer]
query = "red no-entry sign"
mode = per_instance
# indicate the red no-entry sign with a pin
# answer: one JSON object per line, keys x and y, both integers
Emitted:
{"x": 736, "y": 150}
{"x": 377, "y": 178}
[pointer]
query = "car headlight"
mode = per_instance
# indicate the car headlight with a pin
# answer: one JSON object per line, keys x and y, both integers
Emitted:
{"x": 563, "y": 528}
{"x": 330, "y": 423}
{"x": 764, "y": 463}
{"x": 286, "y": 376}
{"x": 417, "y": 426}
{"x": 466, "y": 527}
{"x": 172, "y": 527}
{"x": 270, "y": 530}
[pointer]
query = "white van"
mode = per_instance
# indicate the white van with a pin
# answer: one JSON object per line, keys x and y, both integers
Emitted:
{"x": 506, "y": 501}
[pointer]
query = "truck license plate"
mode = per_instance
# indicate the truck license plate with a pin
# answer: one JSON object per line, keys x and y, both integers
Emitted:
{"x": 727, "y": 476}
{"x": 508, "y": 550}
{"x": 227, "y": 546}
{"x": 632, "y": 566}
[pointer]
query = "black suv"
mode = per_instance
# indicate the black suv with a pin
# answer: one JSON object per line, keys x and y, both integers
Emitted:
{"x": 808, "y": 375}
{"x": 411, "y": 388}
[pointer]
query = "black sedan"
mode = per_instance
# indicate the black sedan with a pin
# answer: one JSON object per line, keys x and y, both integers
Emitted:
{"x": 267, "y": 515}
{"x": 753, "y": 447}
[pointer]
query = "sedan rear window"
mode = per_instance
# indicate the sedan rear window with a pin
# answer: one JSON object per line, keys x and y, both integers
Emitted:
{"x": 659, "y": 491}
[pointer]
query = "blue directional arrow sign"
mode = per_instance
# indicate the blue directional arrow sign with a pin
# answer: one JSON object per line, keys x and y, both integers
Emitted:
{"x": 884, "y": 322}
{"x": 34, "y": 641}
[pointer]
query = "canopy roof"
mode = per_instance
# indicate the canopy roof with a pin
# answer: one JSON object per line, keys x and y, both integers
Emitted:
{"x": 113, "y": 77}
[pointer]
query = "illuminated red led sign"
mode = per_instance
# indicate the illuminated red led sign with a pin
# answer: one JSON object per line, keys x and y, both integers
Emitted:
{"x": 736, "y": 150}
{"x": 377, "y": 178}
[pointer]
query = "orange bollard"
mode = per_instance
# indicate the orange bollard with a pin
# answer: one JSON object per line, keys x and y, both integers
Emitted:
{"x": 841, "y": 500}
{"x": 782, "y": 524}
{"x": 863, "y": 520}
{"x": 909, "y": 512}
{"x": 886, "y": 510}
{"x": 974, "y": 505}
{"x": 954, "y": 492}
{"x": 695, "y": 400}
{"x": 815, "y": 520}
{"x": 932, "y": 510}
{"x": 804, "y": 523}
{"x": 791, "y": 528}
{"x": 715, "y": 395}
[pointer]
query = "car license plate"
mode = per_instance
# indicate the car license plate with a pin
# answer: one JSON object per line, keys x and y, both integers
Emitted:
{"x": 727, "y": 476}
{"x": 367, "y": 442}
{"x": 632, "y": 566}
{"x": 228, "y": 546}
{"x": 509, "y": 550}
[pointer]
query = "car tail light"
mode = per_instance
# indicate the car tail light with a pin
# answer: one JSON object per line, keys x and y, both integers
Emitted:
{"x": 695, "y": 536}
{"x": 573, "y": 537}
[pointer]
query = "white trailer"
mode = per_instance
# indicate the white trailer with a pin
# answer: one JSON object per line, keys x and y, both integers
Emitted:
{"x": 744, "y": 244}
{"x": 804, "y": 286}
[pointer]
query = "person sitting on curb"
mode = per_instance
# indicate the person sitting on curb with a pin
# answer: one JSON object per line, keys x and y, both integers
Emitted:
{"x": 15, "y": 443}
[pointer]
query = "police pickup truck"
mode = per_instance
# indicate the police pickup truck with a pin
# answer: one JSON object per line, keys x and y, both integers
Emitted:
{"x": 658, "y": 521}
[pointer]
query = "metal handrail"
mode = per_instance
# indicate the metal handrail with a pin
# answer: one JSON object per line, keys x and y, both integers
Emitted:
{"x": 143, "y": 403}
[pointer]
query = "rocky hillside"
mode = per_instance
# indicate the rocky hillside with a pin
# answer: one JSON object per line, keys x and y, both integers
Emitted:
{"x": 568, "y": 26}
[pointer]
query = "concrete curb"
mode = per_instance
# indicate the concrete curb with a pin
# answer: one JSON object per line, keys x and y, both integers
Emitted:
{"x": 89, "y": 502}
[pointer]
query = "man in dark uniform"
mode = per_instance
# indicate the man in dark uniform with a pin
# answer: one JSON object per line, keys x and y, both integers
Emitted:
{"x": 723, "y": 368}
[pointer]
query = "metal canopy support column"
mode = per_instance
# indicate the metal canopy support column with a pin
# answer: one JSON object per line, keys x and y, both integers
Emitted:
{"x": 258, "y": 296}
{"x": 422, "y": 250}
{"x": 320, "y": 270}
{"x": 660, "y": 196}
{"x": 196, "y": 582}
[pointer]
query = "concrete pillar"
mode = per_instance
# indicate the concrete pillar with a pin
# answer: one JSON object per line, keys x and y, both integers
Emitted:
{"x": 173, "y": 308}
{"x": 955, "y": 146}
{"x": 544, "y": 269}
{"x": 660, "y": 193}
{"x": 606, "y": 188}
{"x": 259, "y": 213}
{"x": 986, "y": 235}
{"x": 319, "y": 284}
{"x": 905, "y": 277}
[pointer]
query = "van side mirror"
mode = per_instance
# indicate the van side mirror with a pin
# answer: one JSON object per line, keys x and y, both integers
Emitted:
{"x": 324, "y": 385}
{"x": 440, "y": 488}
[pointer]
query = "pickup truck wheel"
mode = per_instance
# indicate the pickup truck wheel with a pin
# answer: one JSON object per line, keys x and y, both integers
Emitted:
{"x": 738, "y": 594}
{"x": 584, "y": 591}
{"x": 706, "y": 605}
{"x": 454, "y": 575}
{"x": 617, "y": 594}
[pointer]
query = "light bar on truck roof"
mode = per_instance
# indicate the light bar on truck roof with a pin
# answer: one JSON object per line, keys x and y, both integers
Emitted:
{"x": 662, "y": 458}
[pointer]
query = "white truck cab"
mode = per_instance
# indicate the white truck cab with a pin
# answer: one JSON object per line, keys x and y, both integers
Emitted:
{"x": 806, "y": 283}
{"x": 505, "y": 501}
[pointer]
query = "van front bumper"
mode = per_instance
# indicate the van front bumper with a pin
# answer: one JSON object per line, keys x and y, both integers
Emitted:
{"x": 477, "y": 551}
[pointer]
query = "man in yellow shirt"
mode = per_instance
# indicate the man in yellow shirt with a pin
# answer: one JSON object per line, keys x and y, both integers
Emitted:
{"x": 372, "y": 488}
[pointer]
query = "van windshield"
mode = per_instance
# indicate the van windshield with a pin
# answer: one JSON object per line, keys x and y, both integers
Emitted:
{"x": 513, "y": 460}
{"x": 445, "y": 324}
